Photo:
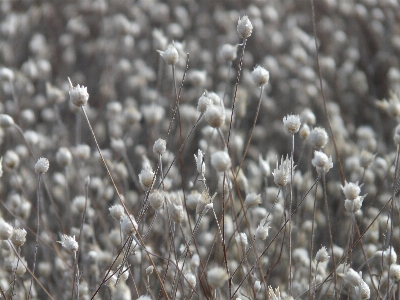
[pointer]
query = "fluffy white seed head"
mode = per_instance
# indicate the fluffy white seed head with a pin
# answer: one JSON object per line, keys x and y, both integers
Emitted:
{"x": 244, "y": 27}
{"x": 292, "y": 123}
{"x": 353, "y": 206}
{"x": 11, "y": 160}
{"x": 170, "y": 55}
{"x": 221, "y": 161}
{"x": 282, "y": 172}
{"x": 18, "y": 237}
{"x": 146, "y": 177}
{"x": 203, "y": 102}
{"x": 318, "y": 138}
{"x": 190, "y": 280}
{"x": 156, "y": 199}
{"x": 366, "y": 159}
{"x": 260, "y": 76}
{"x": 351, "y": 190}
{"x": 6, "y": 121}
{"x": 69, "y": 243}
{"x": 215, "y": 115}
{"x": 6, "y": 230}
{"x": 322, "y": 255}
{"x": 42, "y": 165}
{"x": 363, "y": 291}
{"x": 241, "y": 239}
{"x": 262, "y": 230}
{"x": 305, "y": 131}
{"x": 228, "y": 52}
{"x": 252, "y": 200}
{"x": 395, "y": 272}
{"x": 257, "y": 286}
{"x": 117, "y": 212}
{"x": 352, "y": 278}
{"x": 160, "y": 146}
{"x": 307, "y": 117}
{"x": 322, "y": 162}
{"x": 128, "y": 225}
{"x": 63, "y": 157}
{"x": 217, "y": 277}
{"x": 78, "y": 95}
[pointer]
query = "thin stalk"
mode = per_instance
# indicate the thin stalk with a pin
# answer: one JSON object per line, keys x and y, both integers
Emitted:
{"x": 312, "y": 245}
{"x": 122, "y": 202}
{"x": 290, "y": 221}
{"x": 251, "y": 131}
{"x": 37, "y": 233}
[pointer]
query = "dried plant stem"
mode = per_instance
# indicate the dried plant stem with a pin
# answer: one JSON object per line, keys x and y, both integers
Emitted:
{"x": 122, "y": 202}
{"x": 37, "y": 233}
{"x": 330, "y": 234}
{"x": 290, "y": 221}
{"x": 251, "y": 131}
{"x": 312, "y": 245}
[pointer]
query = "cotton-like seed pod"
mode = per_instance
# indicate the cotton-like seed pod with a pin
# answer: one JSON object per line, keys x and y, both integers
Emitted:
{"x": 160, "y": 146}
{"x": 260, "y": 76}
{"x": 11, "y": 160}
{"x": 18, "y": 237}
{"x": 117, "y": 212}
{"x": 322, "y": 162}
{"x": 189, "y": 280}
{"x": 217, "y": 277}
{"x": 78, "y": 95}
{"x": 6, "y": 121}
{"x": 195, "y": 261}
{"x": 176, "y": 213}
{"x": 292, "y": 123}
{"x": 42, "y": 165}
{"x": 262, "y": 230}
{"x": 156, "y": 199}
{"x": 307, "y": 117}
{"x": 6, "y": 74}
{"x": 228, "y": 52}
{"x": 322, "y": 255}
{"x": 282, "y": 172}
{"x": 395, "y": 272}
{"x": 69, "y": 243}
{"x": 192, "y": 199}
{"x": 18, "y": 266}
{"x": 351, "y": 190}
{"x": 366, "y": 159}
{"x": 353, "y": 206}
{"x": 257, "y": 286}
{"x": 79, "y": 203}
{"x": 252, "y": 200}
{"x": 215, "y": 115}
{"x": 305, "y": 131}
{"x": 128, "y": 225}
{"x": 364, "y": 291}
{"x": 352, "y": 278}
{"x": 63, "y": 157}
{"x": 146, "y": 177}
{"x": 241, "y": 239}
{"x": 203, "y": 103}
{"x": 83, "y": 151}
{"x": 318, "y": 137}
{"x": 244, "y": 27}
{"x": 118, "y": 145}
{"x": 221, "y": 161}
{"x": 6, "y": 230}
{"x": 170, "y": 55}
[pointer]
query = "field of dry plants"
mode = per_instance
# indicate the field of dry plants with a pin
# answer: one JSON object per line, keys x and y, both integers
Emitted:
{"x": 183, "y": 149}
